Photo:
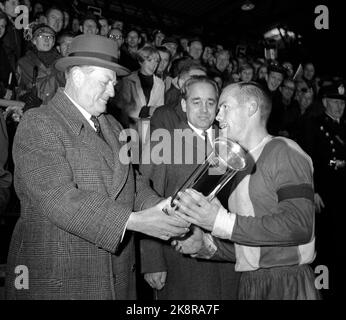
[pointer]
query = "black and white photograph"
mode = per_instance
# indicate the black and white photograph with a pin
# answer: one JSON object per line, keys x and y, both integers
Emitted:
{"x": 174, "y": 155}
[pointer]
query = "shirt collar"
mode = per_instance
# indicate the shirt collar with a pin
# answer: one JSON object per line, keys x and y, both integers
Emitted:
{"x": 85, "y": 113}
{"x": 200, "y": 131}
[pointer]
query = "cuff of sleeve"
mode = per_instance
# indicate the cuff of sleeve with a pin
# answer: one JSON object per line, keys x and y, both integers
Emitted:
{"x": 123, "y": 235}
{"x": 208, "y": 249}
{"x": 224, "y": 224}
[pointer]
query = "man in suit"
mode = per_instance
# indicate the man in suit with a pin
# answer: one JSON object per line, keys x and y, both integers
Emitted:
{"x": 173, "y": 275}
{"x": 77, "y": 196}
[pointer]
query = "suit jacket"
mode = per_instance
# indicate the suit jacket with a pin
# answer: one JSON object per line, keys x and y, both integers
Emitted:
{"x": 187, "y": 278}
{"x": 76, "y": 197}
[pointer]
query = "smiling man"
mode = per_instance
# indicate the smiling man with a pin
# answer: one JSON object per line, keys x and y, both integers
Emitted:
{"x": 270, "y": 213}
{"x": 77, "y": 198}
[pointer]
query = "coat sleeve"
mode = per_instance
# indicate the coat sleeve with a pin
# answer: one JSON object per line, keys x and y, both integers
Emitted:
{"x": 44, "y": 179}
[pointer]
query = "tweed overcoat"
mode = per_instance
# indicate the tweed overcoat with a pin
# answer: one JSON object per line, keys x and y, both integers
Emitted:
{"x": 76, "y": 197}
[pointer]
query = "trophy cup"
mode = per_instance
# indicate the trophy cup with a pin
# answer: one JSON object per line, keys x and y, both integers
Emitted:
{"x": 226, "y": 159}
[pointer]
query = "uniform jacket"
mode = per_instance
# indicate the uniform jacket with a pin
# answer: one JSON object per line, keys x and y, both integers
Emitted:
{"x": 76, "y": 197}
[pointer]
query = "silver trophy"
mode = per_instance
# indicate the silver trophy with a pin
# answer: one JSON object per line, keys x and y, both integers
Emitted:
{"x": 226, "y": 159}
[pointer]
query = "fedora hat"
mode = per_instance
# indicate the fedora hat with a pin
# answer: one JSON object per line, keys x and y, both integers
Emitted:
{"x": 92, "y": 50}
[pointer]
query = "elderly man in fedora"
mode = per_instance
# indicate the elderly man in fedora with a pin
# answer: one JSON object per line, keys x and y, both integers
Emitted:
{"x": 79, "y": 201}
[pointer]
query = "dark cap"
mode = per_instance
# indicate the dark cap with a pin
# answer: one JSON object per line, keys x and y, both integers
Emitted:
{"x": 334, "y": 91}
{"x": 276, "y": 67}
{"x": 41, "y": 28}
{"x": 170, "y": 40}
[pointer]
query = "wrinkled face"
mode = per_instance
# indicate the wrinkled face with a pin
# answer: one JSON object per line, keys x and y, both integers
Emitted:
{"x": 117, "y": 36}
{"x": 309, "y": 71}
{"x": 222, "y": 61}
{"x": 44, "y": 41}
{"x": 158, "y": 39}
{"x": 104, "y": 27}
{"x": 2, "y": 27}
{"x": 10, "y": 6}
{"x": 65, "y": 46}
{"x": 149, "y": 65}
{"x": 334, "y": 107}
{"x": 94, "y": 89}
{"x": 196, "y": 50}
{"x": 164, "y": 61}
{"x": 89, "y": 27}
{"x": 274, "y": 80}
{"x": 200, "y": 105}
{"x": 172, "y": 47}
{"x": 232, "y": 116}
{"x": 246, "y": 75}
{"x": 55, "y": 20}
{"x": 287, "y": 89}
{"x": 133, "y": 39}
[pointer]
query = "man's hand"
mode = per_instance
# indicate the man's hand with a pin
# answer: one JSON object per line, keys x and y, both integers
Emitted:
{"x": 154, "y": 222}
{"x": 191, "y": 243}
{"x": 319, "y": 204}
{"x": 156, "y": 280}
{"x": 194, "y": 207}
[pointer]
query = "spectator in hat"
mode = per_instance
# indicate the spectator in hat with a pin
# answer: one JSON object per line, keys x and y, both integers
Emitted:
{"x": 171, "y": 44}
{"x": 80, "y": 200}
{"x": 157, "y": 37}
{"x": 325, "y": 141}
{"x": 36, "y": 70}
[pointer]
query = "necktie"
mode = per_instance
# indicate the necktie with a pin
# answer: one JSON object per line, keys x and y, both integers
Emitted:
{"x": 207, "y": 145}
{"x": 97, "y": 126}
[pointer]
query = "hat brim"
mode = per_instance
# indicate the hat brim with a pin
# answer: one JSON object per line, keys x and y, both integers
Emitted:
{"x": 63, "y": 63}
{"x": 335, "y": 96}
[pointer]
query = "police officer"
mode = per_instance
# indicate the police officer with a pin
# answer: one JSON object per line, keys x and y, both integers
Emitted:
{"x": 325, "y": 141}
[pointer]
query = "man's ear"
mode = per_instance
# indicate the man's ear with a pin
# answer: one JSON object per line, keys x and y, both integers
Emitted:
{"x": 183, "y": 105}
{"x": 324, "y": 102}
{"x": 252, "y": 106}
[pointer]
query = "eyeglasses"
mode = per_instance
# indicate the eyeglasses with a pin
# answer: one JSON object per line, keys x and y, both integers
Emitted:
{"x": 115, "y": 37}
{"x": 46, "y": 37}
